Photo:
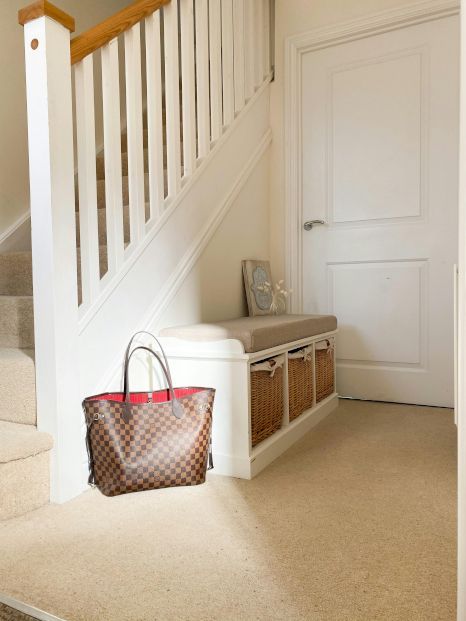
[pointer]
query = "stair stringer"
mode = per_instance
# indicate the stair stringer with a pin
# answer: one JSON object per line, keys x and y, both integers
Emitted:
{"x": 154, "y": 277}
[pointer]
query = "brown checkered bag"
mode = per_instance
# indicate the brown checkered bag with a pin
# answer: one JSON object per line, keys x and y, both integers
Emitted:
{"x": 148, "y": 440}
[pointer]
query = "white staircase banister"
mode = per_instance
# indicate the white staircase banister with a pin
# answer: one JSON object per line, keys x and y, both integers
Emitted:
{"x": 215, "y": 61}
{"x": 188, "y": 93}
{"x": 155, "y": 114}
{"x": 189, "y": 69}
{"x": 227, "y": 63}
{"x": 172, "y": 98}
{"x": 239, "y": 55}
{"x": 201, "y": 8}
{"x": 51, "y": 169}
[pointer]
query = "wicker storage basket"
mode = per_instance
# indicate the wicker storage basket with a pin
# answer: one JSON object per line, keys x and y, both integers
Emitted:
{"x": 300, "y": 382}
{"x": 325, "y": 369}
{"x": 266, "y": 398}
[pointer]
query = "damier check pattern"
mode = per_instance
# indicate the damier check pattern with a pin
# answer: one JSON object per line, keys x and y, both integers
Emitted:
{"x": 154, "y": 449}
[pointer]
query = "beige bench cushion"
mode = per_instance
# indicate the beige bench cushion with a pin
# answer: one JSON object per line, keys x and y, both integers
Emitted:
{"x": 257, "y": 333}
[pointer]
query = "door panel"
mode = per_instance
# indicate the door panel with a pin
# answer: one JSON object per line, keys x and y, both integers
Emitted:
{"x": 376, "y": 116}
{"x": 380, "y": 153}
{"x": 366, "y": 295}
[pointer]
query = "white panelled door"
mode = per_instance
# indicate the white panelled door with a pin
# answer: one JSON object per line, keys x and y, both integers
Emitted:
{"x": 380, "y": 168}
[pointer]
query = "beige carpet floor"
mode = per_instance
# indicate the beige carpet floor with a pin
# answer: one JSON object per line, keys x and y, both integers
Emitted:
{"x": 357, "y": 522}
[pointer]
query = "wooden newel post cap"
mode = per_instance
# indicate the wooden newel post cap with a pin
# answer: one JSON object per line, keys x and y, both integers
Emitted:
{"x": 42, "y": 8}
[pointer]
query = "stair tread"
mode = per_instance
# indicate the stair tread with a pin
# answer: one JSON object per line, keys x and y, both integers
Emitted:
{"x": 17, "y": 385}
{"x": 16, "y": 321}
{"x": 15, "y": 273}
{"x": 19, "y": 441}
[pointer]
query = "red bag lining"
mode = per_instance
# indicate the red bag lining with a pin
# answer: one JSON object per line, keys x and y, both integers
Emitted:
{"x": 159, "y": 396}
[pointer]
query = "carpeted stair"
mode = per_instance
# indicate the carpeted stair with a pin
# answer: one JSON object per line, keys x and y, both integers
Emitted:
{"x": 24, "y": 451}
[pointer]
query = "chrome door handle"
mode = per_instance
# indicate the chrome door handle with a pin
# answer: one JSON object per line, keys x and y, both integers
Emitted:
{"x": 310, "y": 223}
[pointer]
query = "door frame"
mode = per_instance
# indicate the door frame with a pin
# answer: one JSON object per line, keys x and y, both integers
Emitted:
{"x": 343, "y": 32}
{"x": 461, "y": 335}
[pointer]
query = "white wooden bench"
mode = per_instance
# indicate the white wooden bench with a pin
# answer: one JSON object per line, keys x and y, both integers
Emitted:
{"x": 220, "y": 355}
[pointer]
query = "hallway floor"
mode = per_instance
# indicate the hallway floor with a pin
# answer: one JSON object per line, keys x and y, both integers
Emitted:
{"x": 356, "y": 522}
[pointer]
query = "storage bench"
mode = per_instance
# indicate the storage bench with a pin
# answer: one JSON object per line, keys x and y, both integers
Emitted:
{"x": 274, "y": 377}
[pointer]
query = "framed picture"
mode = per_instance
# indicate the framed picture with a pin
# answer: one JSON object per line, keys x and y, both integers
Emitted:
{"x": 258, "y": 286}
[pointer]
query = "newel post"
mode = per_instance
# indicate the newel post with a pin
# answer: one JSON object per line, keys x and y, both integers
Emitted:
{"x": 51, "y": 169}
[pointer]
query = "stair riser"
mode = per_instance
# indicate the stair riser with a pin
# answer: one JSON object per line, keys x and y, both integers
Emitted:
{"x": 16, "y": 274}
{"x": 125, "y": 191}
{"x": 7, "y": 311}
{"x": 101, "y": 215}
{"x": 16, "y": 322}
{"x": 18, "y": 389}
{"x": 103, "y": 264}
{"x": 24, "y": 485}
{"x": 25, "y": 288}
{"x": 100, "y": 164}
{"x": 124, "y": 140}
{"x": 145, "y": 139}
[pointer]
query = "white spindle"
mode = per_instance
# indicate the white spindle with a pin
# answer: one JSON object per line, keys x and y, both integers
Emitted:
{"x": 266, "y": 22}
{"x": 188, "y": 89}
{"x": 137, "y": 216}
{"x": 172, "y": 98}
{"x": 238, "y": 47}
{"x": 202, "y": 75}
{"x": 227, "y": 62}
{"x": 250, "y": 42}
{"x": 154, "y": 114}
{"x": 215, "y": 55}
{"x": 259, "y": 44}
{"x": 112, "y": 152}
{"x": 51, "y": 173}
{"x": 88, "y": 221}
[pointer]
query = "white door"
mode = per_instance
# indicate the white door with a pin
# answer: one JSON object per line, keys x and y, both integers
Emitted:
{"x": 380, "y": 167}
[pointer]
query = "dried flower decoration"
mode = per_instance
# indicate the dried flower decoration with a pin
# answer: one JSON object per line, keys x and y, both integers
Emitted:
{"x": 279, "y": 296}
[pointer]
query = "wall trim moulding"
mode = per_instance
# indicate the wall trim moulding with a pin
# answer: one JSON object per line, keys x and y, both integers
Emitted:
{"x": 295, "y": 48}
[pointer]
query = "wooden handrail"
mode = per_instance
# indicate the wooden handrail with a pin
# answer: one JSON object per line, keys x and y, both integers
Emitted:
{"x": 43, "y": 8}
{"x": 94, "y": 38}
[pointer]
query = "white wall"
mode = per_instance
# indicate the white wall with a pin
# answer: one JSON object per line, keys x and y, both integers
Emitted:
{"x": 14, "y": 182}
{"x": 214, "y": 288}
{"x": 294, "y": 17}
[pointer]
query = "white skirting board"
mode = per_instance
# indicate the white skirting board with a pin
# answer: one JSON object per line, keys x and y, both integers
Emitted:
{"x": 269, "y": 450}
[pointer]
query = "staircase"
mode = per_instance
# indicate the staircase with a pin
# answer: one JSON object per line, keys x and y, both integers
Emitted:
{"x": 25, "y": 451}
{"x": 180, "y": 88}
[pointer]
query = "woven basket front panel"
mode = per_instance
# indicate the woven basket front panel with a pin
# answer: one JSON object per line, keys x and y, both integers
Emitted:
{"x": 301, "y": 393}
{"x": 325, "y": 373}
{"x": 154, "y": 449}
{"x": 266, "y": 404}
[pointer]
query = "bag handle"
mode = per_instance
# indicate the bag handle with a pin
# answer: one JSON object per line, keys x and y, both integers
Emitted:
{"x": 177, "y": 408}
{"x": 128, "y": 349}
